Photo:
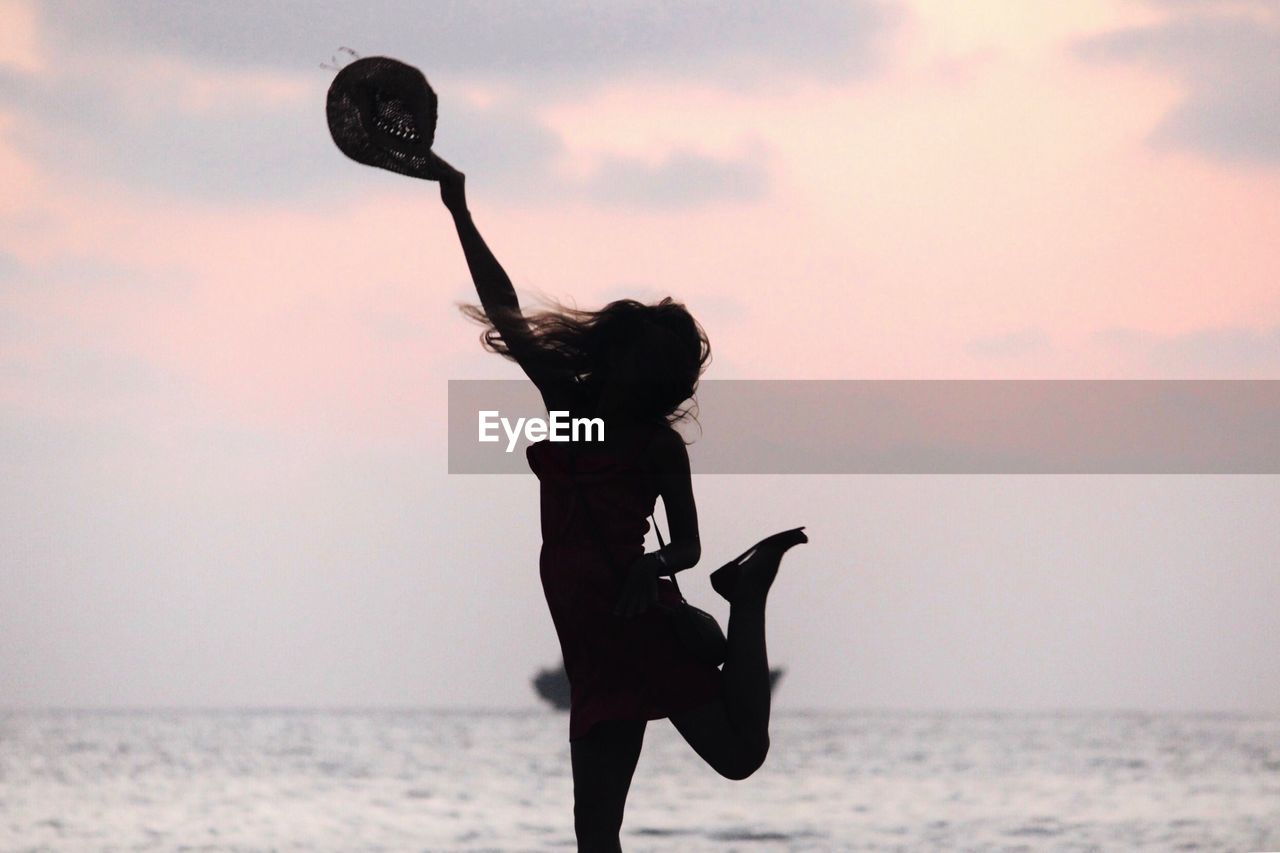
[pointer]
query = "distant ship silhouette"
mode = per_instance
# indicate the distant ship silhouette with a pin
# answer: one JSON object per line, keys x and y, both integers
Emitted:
{"x": 552, "y": 685}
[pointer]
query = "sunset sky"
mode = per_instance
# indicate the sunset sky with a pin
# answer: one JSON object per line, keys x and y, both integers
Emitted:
{"x": 224, "y": 347}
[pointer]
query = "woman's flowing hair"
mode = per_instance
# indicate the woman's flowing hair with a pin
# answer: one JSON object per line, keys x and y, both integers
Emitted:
{"x": 654, "y": 354}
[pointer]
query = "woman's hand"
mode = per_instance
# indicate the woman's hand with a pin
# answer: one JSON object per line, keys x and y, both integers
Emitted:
{"x": 640, "y": 589}
{"x": 453, "y": 190}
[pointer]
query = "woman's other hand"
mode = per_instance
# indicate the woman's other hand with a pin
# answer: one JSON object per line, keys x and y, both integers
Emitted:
{"x": 640, "y": 589}
{"x": 453, "y": 190}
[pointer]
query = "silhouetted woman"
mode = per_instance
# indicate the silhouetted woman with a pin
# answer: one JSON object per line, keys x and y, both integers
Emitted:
{"x": 634, "y": 366}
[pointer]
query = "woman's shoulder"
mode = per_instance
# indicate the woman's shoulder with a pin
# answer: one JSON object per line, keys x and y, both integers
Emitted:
{"x": 666, "y": 449}
{"x": 666, "y": 439}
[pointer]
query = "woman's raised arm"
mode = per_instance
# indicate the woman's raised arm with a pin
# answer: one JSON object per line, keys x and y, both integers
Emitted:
{"x": 493, "y": 285}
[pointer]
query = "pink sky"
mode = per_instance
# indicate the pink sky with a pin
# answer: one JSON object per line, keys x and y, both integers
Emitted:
{"x": 224, "y": 347}
{"x": 985, "y": 206}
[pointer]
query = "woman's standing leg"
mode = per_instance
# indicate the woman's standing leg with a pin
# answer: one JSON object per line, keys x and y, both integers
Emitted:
{"x": 604, "y": 761}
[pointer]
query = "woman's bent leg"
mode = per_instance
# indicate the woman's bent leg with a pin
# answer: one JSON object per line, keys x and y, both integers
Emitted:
{"x": 732, "y": 735}
{"x": 603, "y": 763}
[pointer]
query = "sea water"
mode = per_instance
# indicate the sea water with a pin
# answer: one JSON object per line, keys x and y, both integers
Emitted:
{"x": 431, "y": 780}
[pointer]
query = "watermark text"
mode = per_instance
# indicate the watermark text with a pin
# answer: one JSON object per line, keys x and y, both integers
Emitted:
{"x": 558, "y": 426}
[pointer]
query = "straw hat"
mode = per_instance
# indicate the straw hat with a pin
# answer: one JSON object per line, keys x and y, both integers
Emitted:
{"x": 382, "y": 113}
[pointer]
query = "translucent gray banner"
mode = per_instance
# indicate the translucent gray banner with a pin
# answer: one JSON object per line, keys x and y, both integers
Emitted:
{"x": 923, "y": 426}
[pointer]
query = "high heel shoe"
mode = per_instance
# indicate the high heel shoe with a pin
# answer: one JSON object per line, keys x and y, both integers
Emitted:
{"x": 759, "y": 563}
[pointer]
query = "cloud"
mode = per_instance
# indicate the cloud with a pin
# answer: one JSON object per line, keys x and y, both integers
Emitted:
{"x": 1222, "y": 352}
{"x": 222, "y": 101}
{"x": 1227, "y": 54}
{"x": 561, "y": 41}
{"x": 1009, "y": 345}
{"x": 138, "y": 126}
{"x": 110, "y": 126}
{"x": 9, "y": 266}
{"x": 89, "y": 378}
{"x": 1229, "y": 5}
{"x": 680, "y": 180}
{"x": 502, "y": 145}
{"x": 75, "y": 273}
{"x": 263, "y": 148}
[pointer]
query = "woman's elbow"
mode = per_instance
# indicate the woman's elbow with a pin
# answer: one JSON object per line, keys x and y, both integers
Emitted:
{"x": 693, "y": 553}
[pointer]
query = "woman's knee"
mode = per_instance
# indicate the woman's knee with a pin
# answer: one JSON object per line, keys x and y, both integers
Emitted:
{"x": 745, "y": 762}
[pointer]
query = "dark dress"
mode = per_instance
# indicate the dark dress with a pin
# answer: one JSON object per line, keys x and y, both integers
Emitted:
{"x": 619, "y": 668}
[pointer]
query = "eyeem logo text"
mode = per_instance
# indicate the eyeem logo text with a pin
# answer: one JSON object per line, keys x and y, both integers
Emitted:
{"x": 560, "y": 427}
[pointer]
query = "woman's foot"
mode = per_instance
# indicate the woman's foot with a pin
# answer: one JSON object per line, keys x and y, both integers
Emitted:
{"x": 753, "y": 572}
